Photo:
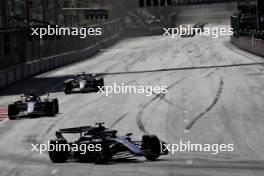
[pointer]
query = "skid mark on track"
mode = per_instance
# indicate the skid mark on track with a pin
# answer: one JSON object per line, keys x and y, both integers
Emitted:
{"x": 118, "y": 120}
{"x": 54, "y": 171}
{"x": 142, "y": 108}
{"x": 166, "y": 100}
{"x": 216, "y": 99}
{"x": 111, "y": 67}
{"x": 169, "y": 87}
{"x": 49, "y": 128}
{"x": 91, "y": 102}
{"x": 209, "y": 74}
{"x": 31, "y": 139}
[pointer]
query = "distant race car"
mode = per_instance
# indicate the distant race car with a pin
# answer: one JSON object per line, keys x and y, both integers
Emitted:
{"x": 83, "y": 83}
{"x": 112, "y": 146}
{"x": 199, "y": 27}
{"x": 33, "y": 104}
{"x": 190, "y": 32}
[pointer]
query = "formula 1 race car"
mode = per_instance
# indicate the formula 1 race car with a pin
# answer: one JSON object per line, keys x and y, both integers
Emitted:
{"x": 33, "y": 104}
{"x": 200, "y": 26}
{"x": 111, "y": 146}
{"x": 197, "y": 28}
{"x": 83, "y": 83}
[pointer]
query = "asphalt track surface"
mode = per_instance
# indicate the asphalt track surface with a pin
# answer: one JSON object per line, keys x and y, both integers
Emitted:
{"x": 210, "y": 105}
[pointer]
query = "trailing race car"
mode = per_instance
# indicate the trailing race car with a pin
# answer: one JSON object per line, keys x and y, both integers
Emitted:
{"x": 111, "y": 145}
{"x": 33, "y": 104}
{"x": 83, "y": 83}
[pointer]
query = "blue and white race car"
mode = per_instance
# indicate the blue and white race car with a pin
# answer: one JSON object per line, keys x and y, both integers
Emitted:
{"x": 111, "y": 145}
{"x": 33, "y": 104}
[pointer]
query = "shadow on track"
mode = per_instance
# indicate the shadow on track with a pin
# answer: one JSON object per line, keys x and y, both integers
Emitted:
{"x": 55, "y": 83}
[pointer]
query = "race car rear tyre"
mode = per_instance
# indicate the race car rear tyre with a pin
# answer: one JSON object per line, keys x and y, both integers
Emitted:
{"x": 101, "y": 157}
{"x": 57, "y": 156}
{"x": 51, "y": 109}
{"x": 100, "y": 83}
{"x": 85, "y": 157}
{"x": 151, "y": 147}
{"x": 56, "y": 102}
{"x": 12, "y": 111}
{"x": 67, "y": 88}
{"x": 98, "y": 157}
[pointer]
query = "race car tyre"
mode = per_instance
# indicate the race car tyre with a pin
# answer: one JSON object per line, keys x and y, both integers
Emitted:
{"x": 101, "y": 157}
{"x": 100, "y": 83}
{"x": 58, "y": 156}
{"x": 98, "y": 157}
{"x": 51, "y": 109}
{"x": 85, "y": 157}
{"x": 151, "y": 147}
{"x": 67, "y": 88}
{"x": 56, "y": 102}
{"x": 12, "y": 111}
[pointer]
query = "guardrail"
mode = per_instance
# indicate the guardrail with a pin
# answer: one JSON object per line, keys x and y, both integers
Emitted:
{"x": 39, "y": 62}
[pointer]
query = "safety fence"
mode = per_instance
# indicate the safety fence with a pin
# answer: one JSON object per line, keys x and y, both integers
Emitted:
{"x": 250, "y": 44}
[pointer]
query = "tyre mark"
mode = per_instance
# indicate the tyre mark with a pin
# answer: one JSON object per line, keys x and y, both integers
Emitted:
{"x": 118, "y": 120}
{"x": 167, "y": 101}
{"x": 91, "y": 102}
{"x": 216, "y": 99}
{"x": 50, "y": 127}
{"x": 142, "y": 108}
{"x": 209, "y": 74}
{"x": 141, "y": 111}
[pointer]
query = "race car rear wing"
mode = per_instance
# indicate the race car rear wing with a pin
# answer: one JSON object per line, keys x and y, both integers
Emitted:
{"x": 75, "y": 130}
{"x": 92, "y": 129}
{"x": 30, "y": 93}
{"x": 80, "y": 130}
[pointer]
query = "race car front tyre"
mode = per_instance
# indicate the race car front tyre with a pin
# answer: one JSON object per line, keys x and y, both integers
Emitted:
{"x": 84, "y": 157}
{"x": 67, "y": 88}
{"x": 98, "y": 157}
{"x": 56, "y": 102}
{"x": 12, "y": 111}
{"x": 151, "y": 147}
{"x": 100, "y": 83}
{"x": 102, "y": 156}
{"x": 51, "y": 109}
{"x": 59, "y": 154}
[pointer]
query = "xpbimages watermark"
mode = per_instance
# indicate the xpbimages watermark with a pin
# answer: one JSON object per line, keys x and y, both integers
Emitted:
{"x": 132, "y": 89}
{"x": 215, "y": 32}
{"x": 82, "y": 148}
{"x": 188, "y": 146}
{"x": 49, "y": 30}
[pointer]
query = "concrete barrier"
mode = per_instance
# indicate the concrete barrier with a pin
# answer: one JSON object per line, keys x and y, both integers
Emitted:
{"x": 2, "y": 79}
{"x": 40, "y": 65}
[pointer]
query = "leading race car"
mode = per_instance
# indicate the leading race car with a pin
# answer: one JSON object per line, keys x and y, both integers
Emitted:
{"x": 33, "y": 104}
{"x": 197, "y": 28}
{"x": 111, "y": 145}
{"x": 200, "y": 26}
{"x": 83, "y": 83}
